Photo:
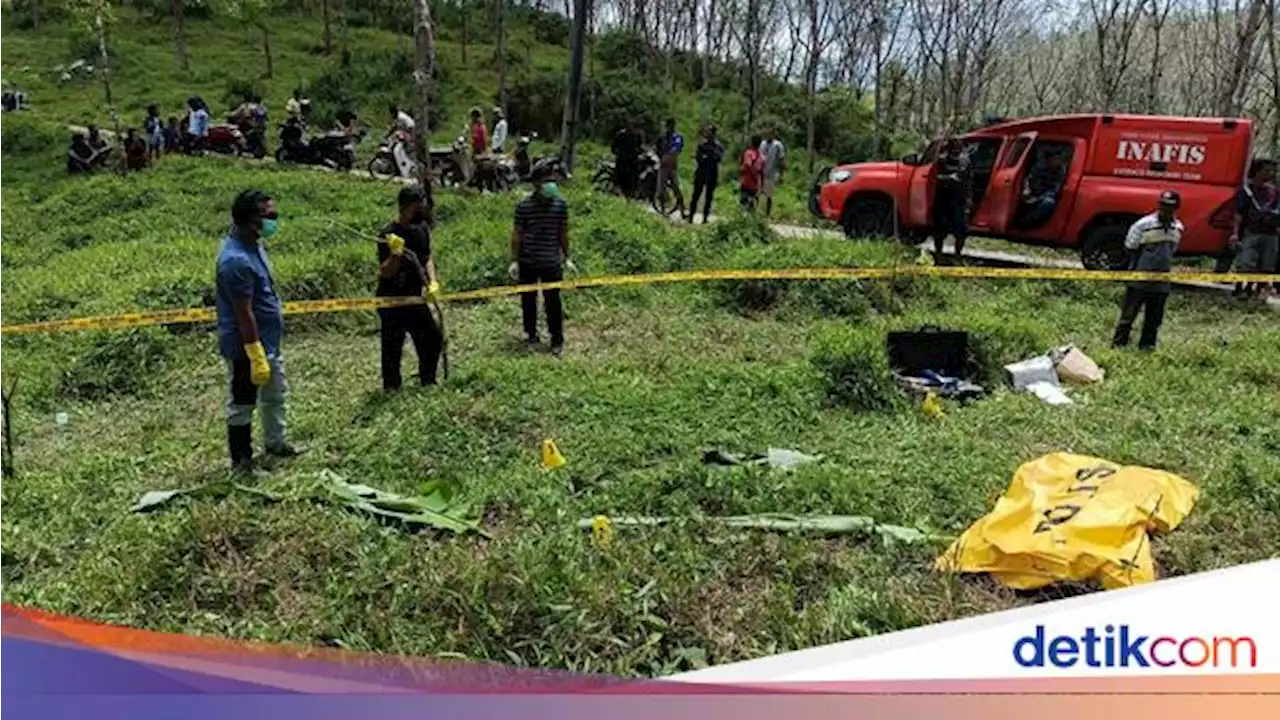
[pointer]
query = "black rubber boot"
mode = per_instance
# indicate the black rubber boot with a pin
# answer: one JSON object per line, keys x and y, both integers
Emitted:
{"x": 240, "y": 443}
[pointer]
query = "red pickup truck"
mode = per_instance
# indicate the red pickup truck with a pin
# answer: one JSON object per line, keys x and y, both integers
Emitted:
{"x": 1075, "y": 181}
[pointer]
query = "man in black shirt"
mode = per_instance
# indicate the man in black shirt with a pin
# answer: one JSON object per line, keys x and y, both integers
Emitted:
{"x": 953, "y": 177}
{"x": 627, "y": 144}
{"x": 407, "y": 269}
{"x": 540, "y": 252}
{"x": 710, "y": 153}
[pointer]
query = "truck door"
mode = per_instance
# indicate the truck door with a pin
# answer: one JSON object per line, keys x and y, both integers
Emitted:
{"x": 1006, "y": 184}
{"x": 920, "y": 189}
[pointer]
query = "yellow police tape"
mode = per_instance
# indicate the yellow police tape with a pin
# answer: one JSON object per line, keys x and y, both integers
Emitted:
{"x": 206, "y": 314}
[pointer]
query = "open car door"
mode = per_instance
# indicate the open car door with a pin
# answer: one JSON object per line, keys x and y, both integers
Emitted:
{"x": 1006, "y": 184}
{"x": 920, "y": 189}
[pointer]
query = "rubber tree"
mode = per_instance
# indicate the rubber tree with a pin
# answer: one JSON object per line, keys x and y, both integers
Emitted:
{"x": 423, "y": 74}
{"x": 569, "y": 131}
{"x": 179, "y": 10}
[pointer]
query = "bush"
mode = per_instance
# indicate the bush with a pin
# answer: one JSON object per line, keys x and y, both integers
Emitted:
{"x": 742, "y": 231}
{"x": 536, "y": 103}
{"x": 855, "y": 369}
{"x": 119, "y": 364}
{"x": 622, "y": 98}
{"x": 24, "y": 135}
{"x": 624, "y": 253}
{"x": 368, "y": 86}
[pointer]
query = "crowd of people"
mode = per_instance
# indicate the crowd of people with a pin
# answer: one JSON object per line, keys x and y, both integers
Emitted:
{"x": 760, "y": 167}
{"x": 188, "y": 134}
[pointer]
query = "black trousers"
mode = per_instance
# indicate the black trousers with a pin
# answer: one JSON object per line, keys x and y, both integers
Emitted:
{"x": 550, "y": 298}
{"x": 949, "y": 218}
{"x": 417, "y": 322}
{"x": 1151, "y": 300}
{"x": 625, "y": 173}
{"x": 703, "y": 179}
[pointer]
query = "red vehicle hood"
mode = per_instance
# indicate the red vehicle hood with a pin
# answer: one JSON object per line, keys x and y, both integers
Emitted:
{"x": 889, "y": 167}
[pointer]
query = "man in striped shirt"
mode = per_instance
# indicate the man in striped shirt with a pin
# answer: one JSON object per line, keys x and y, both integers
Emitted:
{"x": 540, "y": 253}
{"x": 1152, "y": 242}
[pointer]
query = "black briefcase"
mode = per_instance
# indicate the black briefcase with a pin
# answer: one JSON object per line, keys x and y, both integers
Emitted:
{"x": 945, "y": 352}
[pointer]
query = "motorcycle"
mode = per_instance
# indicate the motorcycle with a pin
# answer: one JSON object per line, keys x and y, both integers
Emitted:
{"x": 605, "y": 179}
{"x": 386, "y": 162}
{"x": 523, "y": 163}
{"x": 333, "y": 150}
{"x": 226, "y": 139}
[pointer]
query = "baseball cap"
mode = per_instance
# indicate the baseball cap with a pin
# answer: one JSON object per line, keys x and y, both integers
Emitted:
{"x": 1170, "y": 197}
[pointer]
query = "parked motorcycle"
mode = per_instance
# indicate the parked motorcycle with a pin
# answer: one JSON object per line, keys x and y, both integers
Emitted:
{"x": 605, "y": 179}
{"x": 385, "y": 162}
{"x": 333, "y": 150}
{"x": 226, "y": 139}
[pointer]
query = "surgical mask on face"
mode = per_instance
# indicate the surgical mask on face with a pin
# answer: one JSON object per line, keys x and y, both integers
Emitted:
{"x": 270, "y": 226}
{"x": 550, "y": 190}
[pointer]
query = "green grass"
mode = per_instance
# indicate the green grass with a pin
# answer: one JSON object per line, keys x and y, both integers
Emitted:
{"x": 225, "y": 55}
{"x": 652, "y": 378}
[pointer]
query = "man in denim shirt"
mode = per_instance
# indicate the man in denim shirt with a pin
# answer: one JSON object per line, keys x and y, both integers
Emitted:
{"x": 250, "y": 328}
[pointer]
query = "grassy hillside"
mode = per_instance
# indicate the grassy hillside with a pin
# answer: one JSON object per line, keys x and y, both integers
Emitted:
{"x": 652, "y": 379}
{"x": 226, "y": 58}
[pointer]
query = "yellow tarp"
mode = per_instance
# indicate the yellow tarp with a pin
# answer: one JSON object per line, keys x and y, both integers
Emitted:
{"x": 1072, "y": 517}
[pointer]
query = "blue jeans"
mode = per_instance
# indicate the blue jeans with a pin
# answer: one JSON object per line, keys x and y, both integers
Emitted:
{"x": 244, "y": 396}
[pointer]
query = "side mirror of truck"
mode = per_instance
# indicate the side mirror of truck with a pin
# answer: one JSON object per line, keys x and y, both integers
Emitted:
{"x": 912, "y": 159}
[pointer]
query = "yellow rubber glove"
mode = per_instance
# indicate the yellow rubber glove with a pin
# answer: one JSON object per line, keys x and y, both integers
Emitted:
{"x": 395, "y": 244}
{"x": 432, "y": 292}
{"x": 259, "y": 368}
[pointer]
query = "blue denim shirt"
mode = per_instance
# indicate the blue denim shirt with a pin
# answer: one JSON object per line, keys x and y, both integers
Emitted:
{"x": 243, "y": 272}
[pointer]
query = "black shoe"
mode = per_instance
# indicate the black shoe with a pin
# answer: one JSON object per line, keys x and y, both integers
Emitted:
{"x": 558, "y": 350}
{"x": 240, "y": 445}
{"x": 532, "y": 340}
{"x": 284, "y": 450}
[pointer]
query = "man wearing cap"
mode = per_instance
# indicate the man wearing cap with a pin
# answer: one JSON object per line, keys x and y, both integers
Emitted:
{"x": 406, "y": 268}
{"x": 1152, "y": 242}
{"x": 499, "y": 141}
{"x": 540, "y": 252}
{"x": 250, "y": 328}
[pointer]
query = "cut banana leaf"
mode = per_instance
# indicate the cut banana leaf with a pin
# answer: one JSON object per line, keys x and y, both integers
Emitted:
{"x": 782, "y": 522}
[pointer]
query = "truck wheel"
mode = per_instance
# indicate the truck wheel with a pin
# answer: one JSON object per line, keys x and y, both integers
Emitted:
{"x": 867, "y": 218}
{"x": 1102, "y": 247}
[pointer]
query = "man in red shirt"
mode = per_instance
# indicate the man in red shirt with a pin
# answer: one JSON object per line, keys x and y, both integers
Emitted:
{"x": 750, "y": 168}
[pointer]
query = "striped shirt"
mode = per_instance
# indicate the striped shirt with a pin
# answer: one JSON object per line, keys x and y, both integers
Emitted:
{"x": 540, "y": 224}
{"x": 1154, "y": 243}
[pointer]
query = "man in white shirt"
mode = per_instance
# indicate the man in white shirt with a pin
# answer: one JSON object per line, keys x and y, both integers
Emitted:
{"x": 401, "y": 120}
{"x": 1152, "y": 242}
{"x": 499, "y": 141}
{"x": 774, "y": 155}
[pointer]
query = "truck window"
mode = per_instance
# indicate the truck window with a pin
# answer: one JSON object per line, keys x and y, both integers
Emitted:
{"x": 930, "y": 152}
{"x": 982, "y": 154}
{"x": 1016, "y": 150}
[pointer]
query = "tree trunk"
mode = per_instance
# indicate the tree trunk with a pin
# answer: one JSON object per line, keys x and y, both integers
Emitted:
{"x": 569, "y": 133}
{"x": 424, "y": 62}
{"x": 35, "y": 19}
{"x": 266, "y": 48}
{"x": 466, "y": 28}
{"x": 703, "y": 100}
{"x": 502, "y": 55}
{"x": 180, "y": 33}
{"x": 753, "y": 61}
{"x": 1274, "y": 52}
{"x": 328, "y": 34}
{"x": 811, "y": 82}
{"x": 106, "y": 77}
{"x": 346, "y": 37}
